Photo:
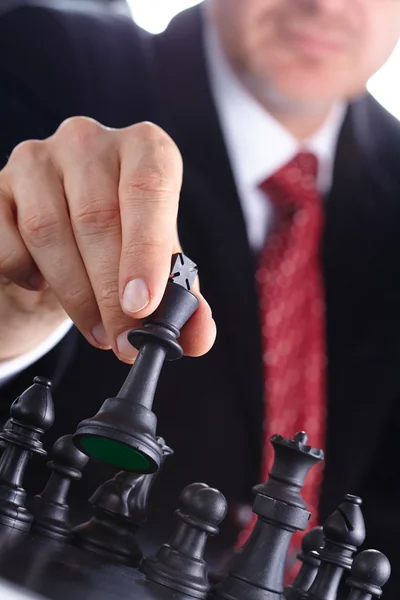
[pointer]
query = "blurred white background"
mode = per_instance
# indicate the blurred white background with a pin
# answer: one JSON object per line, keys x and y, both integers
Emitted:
{"x": 154, "y": 15}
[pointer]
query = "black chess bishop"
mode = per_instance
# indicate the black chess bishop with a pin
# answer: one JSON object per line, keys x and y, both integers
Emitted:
{"x": 32, "y": 413}
{"x": 344, "y": 532}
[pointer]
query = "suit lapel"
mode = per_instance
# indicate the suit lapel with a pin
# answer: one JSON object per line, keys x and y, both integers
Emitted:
{"x": 359, "y": 250}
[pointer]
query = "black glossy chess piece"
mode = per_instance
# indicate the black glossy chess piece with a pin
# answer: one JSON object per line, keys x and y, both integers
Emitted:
{"x": 50, "y": 509}
{"x": 312, "y": 542}
{"x": 123, "y": 432}
{"x": 6, "y": 427}
{"x": 179, "y": 564}
{"x": 32, "y": 413}
{"x": 369, "y": 572}
{"x": 119, "y": 509}
{"x": 344, "y": 532}
{"x": 257, "y": 570}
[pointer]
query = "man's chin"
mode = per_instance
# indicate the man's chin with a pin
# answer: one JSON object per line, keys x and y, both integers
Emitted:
{"x": 312, "y": 96}
{"x": 291, "y": 95}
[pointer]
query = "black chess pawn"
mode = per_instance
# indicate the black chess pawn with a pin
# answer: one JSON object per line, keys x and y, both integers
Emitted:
{"x": 312, "y": 542}
{"x": 50, "y": 509}
{"x": 344, "y": 532}
{"x": 119, "y": 509}
{"x": 123, "y": 432}
{"x": 179, "y": 564}
{"x": 31, "y": 415}
{"x": 369, "y": 572}
{"x": 257, "y": 569}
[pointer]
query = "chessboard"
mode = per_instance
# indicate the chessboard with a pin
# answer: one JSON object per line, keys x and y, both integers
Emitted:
{"x": 43, "y": 557}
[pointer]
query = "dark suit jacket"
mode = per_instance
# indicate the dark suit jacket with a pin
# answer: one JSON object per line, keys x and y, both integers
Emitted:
{"x": 60, "y": 63}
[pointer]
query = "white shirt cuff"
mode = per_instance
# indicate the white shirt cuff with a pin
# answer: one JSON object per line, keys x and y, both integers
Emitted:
{"x": 10, "y": 368}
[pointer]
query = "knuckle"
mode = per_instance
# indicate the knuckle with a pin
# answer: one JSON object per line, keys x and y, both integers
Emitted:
{"x": 143, "y": 241}
{"x": 158, "y": 173}
{"x": 93, "y": 215}
{"x": 79, "y": 299}
{"x": 142, "y": 247}
{"x": 108, "y": 295}
{"x": 150, "y": 131}
{"x": 27, "y": 152}
{"x": 41, "y": 228}
{"x": 157, "y": 137}
{"x": 148, "y": 180}
{"x": 80, "y": 133}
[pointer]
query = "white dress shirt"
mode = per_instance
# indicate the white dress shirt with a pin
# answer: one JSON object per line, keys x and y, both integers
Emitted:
{"x": 257, "y": 146}
{"x": 13, "y": 366}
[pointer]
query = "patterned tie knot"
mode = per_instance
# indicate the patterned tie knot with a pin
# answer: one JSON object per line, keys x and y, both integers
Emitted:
{"x": 294, "y": 185}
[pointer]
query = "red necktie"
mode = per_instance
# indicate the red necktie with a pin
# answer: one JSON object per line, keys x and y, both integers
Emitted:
{"x": 291, "y": 298}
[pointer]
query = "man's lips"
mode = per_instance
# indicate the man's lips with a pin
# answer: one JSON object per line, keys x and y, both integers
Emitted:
{"x": 313, "y": 44}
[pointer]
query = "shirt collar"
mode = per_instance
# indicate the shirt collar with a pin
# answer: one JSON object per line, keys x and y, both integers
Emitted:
{"x": 257, "y": 144}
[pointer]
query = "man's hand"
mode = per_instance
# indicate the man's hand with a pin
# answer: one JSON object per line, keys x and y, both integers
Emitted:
{"x": 88, "y": 216}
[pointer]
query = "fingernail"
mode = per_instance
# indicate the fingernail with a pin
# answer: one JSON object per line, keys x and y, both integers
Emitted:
{"x": 37, "y": 282}
{"x": 125, "y": 349}
{"x": 136, "y": 295}
{"x": 100, "y": 335}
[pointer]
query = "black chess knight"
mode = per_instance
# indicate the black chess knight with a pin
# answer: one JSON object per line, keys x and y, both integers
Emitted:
{"x": 119, "y": 509}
